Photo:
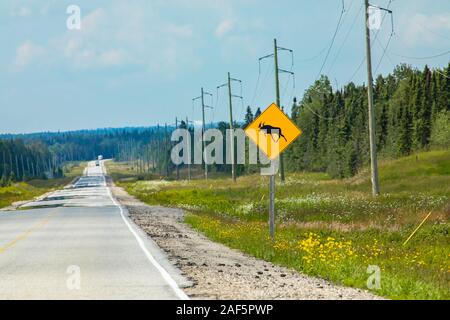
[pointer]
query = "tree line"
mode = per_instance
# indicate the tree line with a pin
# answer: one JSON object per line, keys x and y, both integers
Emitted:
{"x": 20, "y": 161}
{"x": 412, "y": 113}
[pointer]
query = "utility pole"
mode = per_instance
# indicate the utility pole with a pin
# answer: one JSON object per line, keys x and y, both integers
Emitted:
{"x": 203, "y": 135}
{"x": 278, "y": 102}
{"x": 202, "y": 97}
{"x": 278, "y": 70}
{"x": 178, "y": 168}
{"x": 230, "y": 102}
{"x": 230, "y": 99}
{"x": 277, "y": 90}
{"x": 189, "y": 151}
{"x": 373, "y": 145}
{"x": 166, "y": 150}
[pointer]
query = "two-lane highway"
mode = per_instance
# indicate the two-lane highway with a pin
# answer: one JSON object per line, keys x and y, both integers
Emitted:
{"x": 78, "y": 243}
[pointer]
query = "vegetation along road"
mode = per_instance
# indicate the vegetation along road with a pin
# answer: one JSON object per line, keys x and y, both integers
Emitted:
{"x": 329, "y": 228}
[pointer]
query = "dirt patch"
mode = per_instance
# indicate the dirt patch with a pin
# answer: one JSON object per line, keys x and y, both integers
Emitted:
{"x": 218, "y": 272}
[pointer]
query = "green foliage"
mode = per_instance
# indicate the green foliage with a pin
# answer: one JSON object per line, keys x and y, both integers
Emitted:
{"x": 11, "y": 192}
{"x": 408, "y": 104}
{"x": 22, "y": 161}
{"x": 248, "y": 117}
{"x": 344, "y": 209}
{"x": 440, "y": 136}
{"x": 411, "y": 272}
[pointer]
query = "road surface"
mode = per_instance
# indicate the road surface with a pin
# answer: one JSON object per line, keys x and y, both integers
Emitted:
{"x": 78, "y": 243}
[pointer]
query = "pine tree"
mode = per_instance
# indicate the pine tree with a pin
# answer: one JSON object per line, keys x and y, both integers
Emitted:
{"x": 248, "y": 117}
{"x": 257, "y": 113}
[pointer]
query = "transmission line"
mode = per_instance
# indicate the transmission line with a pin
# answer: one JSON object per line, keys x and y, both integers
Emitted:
{"x": 421, "y": 58}
{"x": 346, "y": 37}
{"x": 333, "y": 39}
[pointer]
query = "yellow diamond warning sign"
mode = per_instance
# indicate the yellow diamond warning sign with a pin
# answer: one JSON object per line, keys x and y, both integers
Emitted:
{"x": 272, "y": 131}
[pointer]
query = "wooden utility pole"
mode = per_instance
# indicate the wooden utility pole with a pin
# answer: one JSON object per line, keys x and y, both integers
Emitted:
{"x": 281, "y": 162}
{"x": 230, "y": 100}
{"x": 230, "y": 103}
{"x": 272, "y": 177}
{"x": 178, "y": 167}
{"x": 202, "y": 97}
{"x": 166, "y": 150}
{"x": 189, "y": 151}
{"x": 277, "y": 90}
{"x": 373, "y": 145}
{"x": 203, "y": 135}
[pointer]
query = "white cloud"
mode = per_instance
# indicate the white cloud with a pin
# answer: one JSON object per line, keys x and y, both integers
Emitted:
{"x": 127, "y": 35}
{"x": 145, "y": 36}
{"x": 224, "y": 27}
{"x": 27, "y": 52}
{"x": 425, "y": 29}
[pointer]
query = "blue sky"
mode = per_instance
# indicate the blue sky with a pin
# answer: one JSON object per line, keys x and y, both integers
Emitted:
{"x": 140, "y": 62}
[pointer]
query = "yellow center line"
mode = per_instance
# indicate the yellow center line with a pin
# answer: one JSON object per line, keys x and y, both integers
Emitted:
{"x": 24, "y": 235}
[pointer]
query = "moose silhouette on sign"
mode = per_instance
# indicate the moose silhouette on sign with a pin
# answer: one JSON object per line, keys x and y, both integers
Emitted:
{"x": 268, "y": 129}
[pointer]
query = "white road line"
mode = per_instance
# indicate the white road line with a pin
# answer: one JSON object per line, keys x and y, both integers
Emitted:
{"x": 170, "y": 281}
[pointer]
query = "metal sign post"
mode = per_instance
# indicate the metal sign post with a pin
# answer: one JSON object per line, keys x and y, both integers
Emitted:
{"x": 272, "y": 207}
{"x": 272, "y": 132}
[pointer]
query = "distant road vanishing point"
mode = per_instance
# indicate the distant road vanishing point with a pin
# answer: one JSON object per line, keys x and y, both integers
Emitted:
{"x": 78, "y": 243}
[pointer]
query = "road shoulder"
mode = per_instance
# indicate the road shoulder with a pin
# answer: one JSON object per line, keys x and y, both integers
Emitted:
{"x": 218, "y": 272}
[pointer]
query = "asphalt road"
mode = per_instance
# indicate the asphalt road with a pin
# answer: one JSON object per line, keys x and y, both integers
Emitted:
{"x": 78, "y": 243}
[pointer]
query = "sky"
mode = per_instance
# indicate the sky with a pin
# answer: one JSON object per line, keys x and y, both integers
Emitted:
{"x": 141, "y": 62}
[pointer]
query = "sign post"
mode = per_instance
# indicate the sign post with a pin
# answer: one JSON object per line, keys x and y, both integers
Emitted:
{"x": 272, "y": 207}
{"x": 272, "y": 132}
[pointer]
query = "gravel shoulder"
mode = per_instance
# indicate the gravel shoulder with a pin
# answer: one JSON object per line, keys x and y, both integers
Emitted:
{"x": 218, "y": 272}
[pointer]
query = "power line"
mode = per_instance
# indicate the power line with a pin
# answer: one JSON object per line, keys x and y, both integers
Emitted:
{"x": 357, "y": 70}
{"x": 202, "y": 98}
{"x": 329, "y": 50}
{"x": 228, "y": 84}
{"x": 291, "y": 75}
{"x": 363, "y": 60}
{"x": 431, "y": 31}
{"x": 442, "y": 74}
{"x": 384, "y": 53}
{"x": 332, "y": 40}
{"x": 255, "y": 94}
{"x": 346, "y": 37}
{"x": 314, "y": 56}
{"x": 421, "y": 58}
{"x": 375, "y": 38}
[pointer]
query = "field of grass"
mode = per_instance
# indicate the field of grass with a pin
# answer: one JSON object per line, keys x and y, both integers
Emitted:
{"x": 28, "y": 190}
{"x": 330, "y": 228}
{"x": 125, "y": 172}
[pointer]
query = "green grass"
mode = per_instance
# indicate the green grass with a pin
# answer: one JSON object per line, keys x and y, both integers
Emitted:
{"x": 125, "y": 172}
{"x": 312, "y": 209}
{"x": 28, "y": 190}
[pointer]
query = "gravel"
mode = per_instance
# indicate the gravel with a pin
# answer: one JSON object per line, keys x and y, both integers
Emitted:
{"x": 218, "y": 272}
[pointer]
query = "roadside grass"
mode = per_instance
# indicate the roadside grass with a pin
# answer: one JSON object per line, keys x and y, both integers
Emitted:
{"x": 330, "y": 228}
{"x": 125, "y": 172}
{"x": 28, "y": 190}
